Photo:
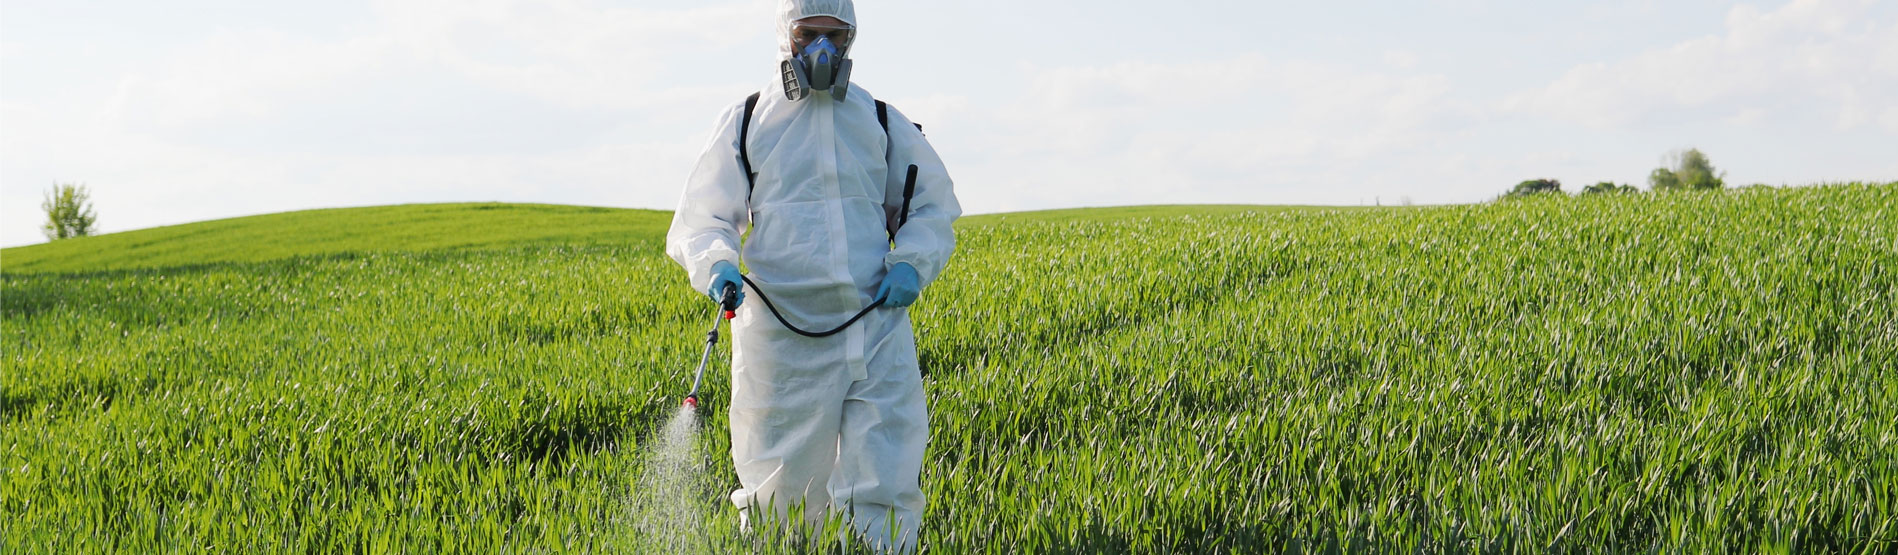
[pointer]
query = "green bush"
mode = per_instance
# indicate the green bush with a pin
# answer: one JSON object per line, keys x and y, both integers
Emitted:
{"x": 1535, "y": 187}
{"x": 1608, "y": 187}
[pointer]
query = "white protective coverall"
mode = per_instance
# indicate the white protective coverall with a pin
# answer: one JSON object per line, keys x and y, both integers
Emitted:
{"x": 836, "y": 421}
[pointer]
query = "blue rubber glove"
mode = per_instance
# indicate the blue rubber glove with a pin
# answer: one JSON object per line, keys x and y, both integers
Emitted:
{"x": 900, "y": 286}
{"x": 723, "y": 274}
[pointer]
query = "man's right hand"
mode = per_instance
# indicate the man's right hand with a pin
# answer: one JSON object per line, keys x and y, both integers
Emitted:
{"x": 724, "y": 274}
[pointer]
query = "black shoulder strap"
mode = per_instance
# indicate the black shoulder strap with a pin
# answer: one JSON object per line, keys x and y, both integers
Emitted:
{"x": 909, "y": 181}
{"x": 744, "y": 136}
{"x": 883, "y": 118}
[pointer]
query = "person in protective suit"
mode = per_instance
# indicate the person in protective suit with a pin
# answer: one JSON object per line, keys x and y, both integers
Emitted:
{"x": 834, "y": 422}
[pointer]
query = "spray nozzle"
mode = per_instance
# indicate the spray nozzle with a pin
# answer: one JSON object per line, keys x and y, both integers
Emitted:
{"x": 729, "y": 301}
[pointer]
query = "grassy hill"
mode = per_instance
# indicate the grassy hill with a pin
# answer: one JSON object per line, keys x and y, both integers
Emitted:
{"x": 312, "y": 233}
{"x": 1679, "y": 373}
{"x": 425, "y": 227}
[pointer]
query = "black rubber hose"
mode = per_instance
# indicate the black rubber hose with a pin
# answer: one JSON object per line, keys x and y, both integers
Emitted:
{"x": 800, "y": 331}
{"x": 909, "y": 189}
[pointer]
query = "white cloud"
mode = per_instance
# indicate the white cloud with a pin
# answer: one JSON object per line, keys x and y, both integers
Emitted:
{"x": 241, "y": 74}
{"x": 1242, "y": 129}
{"x": 574, "y": 102}
{"x": 576, "y": 53}
{"x": 1810, "y": 60}
{"x": 1401, "y": 59}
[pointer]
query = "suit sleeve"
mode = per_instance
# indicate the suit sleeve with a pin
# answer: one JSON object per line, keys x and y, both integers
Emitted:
{"x": 928, "y": 239}
{"x": 713, "y": 209}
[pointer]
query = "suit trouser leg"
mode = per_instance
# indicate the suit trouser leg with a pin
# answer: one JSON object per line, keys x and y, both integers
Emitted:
{"x": 885, "y": 429}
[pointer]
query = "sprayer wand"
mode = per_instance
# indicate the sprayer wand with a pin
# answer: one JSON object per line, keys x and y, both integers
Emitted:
{"x": 726, "y": 307}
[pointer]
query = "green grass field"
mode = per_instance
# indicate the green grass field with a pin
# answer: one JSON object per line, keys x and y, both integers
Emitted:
{"x": 1674, "y": 373}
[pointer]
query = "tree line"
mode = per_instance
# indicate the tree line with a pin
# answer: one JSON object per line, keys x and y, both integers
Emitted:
{"x": 1686, "y": 171}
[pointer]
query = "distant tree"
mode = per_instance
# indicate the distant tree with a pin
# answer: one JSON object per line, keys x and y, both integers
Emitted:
{"x": 1534, "y": 187}
{"x": 1663, "y": 179}
{"x": 68, "y": 212}
{"x": 1608, "y": 187}
{"x": 1691, "y": 170}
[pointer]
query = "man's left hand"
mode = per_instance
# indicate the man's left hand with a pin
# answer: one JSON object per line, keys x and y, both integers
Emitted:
{"x": 900, "y": 286}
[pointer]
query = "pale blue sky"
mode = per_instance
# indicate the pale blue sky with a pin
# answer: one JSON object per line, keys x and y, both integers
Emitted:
{"x": 190, "y": 110}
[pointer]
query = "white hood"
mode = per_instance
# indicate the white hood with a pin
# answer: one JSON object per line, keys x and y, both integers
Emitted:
{"x": 789, "y": 11}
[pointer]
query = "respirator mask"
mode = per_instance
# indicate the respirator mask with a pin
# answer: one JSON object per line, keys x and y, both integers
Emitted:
{"x": 817, "y": 62}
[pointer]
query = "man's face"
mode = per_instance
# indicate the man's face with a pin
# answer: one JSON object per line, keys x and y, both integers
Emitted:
{"x": 806, "y": 31}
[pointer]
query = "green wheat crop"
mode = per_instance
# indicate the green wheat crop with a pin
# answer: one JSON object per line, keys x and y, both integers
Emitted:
{"x": 1673, "y": 373}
